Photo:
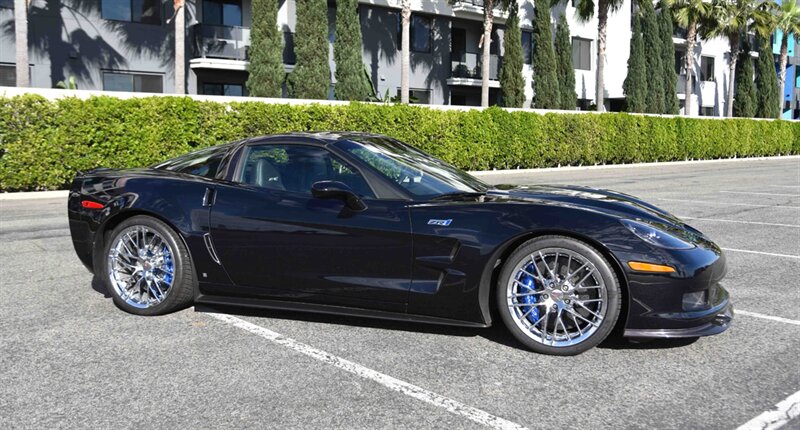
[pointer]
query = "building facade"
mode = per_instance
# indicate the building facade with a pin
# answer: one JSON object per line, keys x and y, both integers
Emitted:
{"x": 128, "y": 45}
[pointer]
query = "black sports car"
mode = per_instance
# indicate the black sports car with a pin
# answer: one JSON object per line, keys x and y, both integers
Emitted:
{"x": 361, "y": 224}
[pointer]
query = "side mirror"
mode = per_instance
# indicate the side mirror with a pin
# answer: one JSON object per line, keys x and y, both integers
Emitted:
{"x": 338, "y": 190}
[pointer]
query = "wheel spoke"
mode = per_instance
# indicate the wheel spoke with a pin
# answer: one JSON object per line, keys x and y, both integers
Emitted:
{"x": 596, "y": 315}
{"x": 575, "y": 314}
{"x": 532, "y": 293}
{"x": 522, "y": 305}
{"x": 578, "y": 326}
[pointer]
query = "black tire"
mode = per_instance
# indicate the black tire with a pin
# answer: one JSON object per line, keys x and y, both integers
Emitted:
{"x": 180, "y": 295}
{"x": 612, "y": 304}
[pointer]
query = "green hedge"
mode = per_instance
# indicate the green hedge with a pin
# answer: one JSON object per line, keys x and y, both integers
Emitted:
{"x": 44, "y": 142}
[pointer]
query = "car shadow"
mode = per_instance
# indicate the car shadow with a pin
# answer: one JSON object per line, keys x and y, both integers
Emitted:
{"x": 496, "y": 333}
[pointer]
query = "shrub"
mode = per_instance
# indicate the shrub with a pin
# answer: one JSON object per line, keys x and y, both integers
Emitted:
{"x": 43, "y": 143}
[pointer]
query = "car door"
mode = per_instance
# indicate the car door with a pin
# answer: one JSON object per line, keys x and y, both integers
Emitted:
{"x": 276, "y": 241}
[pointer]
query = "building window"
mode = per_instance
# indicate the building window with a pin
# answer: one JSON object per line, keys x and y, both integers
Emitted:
{"x": 232, "y": 90}
{"x": 144, "y": 11}
{"x": 420, "y": 38}
{"x": 417, "y": 96}
{"x": 222, "y": 12}
{"x": 680, "y": 62}
{"x": 527, "y": 46}
{"x": 706, "y": 68}
{"x": 288, "y": 48}
{"x": 706, "y": 110}
{"x": 133, "y": 82}
{"x": 8, "y": 4}
{"x": 8, "y": 75}
{"x": 581, "y": 53}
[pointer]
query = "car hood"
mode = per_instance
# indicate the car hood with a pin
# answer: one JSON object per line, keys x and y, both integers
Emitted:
{"x": 609, "y": 202}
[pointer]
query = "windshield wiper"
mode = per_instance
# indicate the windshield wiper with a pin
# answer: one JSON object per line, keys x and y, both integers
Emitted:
{"x": 458, "y": 195}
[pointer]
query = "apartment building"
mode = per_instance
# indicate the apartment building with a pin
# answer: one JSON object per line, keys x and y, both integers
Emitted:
{"x": 128, "y": 45}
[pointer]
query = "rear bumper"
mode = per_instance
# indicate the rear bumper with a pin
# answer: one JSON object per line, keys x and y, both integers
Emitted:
{"x": 715, "y": 322}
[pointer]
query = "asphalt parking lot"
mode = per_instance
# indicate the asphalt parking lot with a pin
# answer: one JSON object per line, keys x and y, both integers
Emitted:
{"x": 69, "y": 358}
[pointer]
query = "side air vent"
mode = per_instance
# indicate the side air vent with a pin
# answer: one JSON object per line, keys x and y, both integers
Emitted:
{"x": 210, "y": 246}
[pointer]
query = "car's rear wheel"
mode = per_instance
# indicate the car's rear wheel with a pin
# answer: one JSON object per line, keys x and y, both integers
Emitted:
{"x": 558, "y": 295}
{"x": 147, "y": 268}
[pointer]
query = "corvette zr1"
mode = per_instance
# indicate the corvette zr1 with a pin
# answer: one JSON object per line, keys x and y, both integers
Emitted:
{"x": 362, "y": 224}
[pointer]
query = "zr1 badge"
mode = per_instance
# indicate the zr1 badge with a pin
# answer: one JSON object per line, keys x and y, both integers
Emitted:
{"x": 442, "y": 222}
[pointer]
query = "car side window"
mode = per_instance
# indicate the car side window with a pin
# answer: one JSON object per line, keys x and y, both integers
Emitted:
{"x": 295, "y": 168}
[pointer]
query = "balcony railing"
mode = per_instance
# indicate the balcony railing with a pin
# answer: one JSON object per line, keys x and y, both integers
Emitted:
{"x": 468, "y": 65}
{"x": 217, "y": 41}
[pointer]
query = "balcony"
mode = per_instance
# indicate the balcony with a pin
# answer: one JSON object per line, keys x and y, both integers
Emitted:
{"x": 217, "y": 41}
{"x": 473, "y": 9}
{"x": 467, "y": 65}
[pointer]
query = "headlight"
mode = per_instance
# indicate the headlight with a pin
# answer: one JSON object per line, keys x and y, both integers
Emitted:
{"x": 655, "y": 236}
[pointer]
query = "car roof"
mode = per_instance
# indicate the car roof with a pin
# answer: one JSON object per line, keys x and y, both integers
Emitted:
{"x": 324, "y": 136}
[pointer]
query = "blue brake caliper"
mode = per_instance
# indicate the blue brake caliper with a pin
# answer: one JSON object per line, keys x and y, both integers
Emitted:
{"x": 169, "y": 266}
{"x": 527, "y": 285}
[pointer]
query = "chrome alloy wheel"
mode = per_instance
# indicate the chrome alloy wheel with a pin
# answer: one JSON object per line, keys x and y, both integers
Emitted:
{"x": 140, "y": 266}
{"x": 557, "y": 297}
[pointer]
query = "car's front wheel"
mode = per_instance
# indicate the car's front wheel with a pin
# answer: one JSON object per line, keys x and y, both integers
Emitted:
{"x": 558, "y": 295}
{"x": 147, "y": 269}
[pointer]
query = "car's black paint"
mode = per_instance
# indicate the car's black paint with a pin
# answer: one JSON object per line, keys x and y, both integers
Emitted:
{"x": 295, "y": 251}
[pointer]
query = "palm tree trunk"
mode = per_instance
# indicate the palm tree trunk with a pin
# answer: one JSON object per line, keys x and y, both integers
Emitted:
{"x": 405, "y": 48}
{"x": 602, "y": 27}
{"x": 734, "y": 42}
{"x": 180, "y": 47}
{"x": 691, "y": 39}
{"x": 486, "y": 58}
{"x": 21, "y": 32}
{"x": 782, "y": 69}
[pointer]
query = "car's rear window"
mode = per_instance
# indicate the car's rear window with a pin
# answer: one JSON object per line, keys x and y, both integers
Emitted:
{"x": 205, "y": 162}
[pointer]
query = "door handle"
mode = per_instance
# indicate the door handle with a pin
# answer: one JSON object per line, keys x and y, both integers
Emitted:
{"x": 209, "y": 197}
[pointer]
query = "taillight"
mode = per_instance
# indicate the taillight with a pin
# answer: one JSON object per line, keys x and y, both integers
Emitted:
{"x": 88, "y": 204}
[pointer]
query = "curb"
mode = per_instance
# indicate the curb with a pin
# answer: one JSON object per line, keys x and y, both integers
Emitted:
{"x": 33, "y": 195}
{"x": 627, "y": 166}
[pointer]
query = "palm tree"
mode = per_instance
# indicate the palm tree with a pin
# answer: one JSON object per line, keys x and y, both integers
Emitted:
{"x": 21, "y": 31}
{"x": 731, "y": 19}
{"x": 405, "y": 48}
{"x": 787, "y": 20}
{"x": 179, "y": 16}
{"x": 585, "y": 13}
{"x": 688, "y": 14}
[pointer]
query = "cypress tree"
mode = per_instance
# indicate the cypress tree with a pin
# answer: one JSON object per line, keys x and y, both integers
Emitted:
{"x": 671, "y": 104}
{"x": 351, "y": 82}
{"x": 654, "y": 69}
{"x": 311, "y": 77}
{"x": 512, "y": 84}
{"x": 266, "y": 72}
{"x": 564, "y": 67}
{"x": 635, "y": 84}
{"x": 545, "y": 82}
{"x": 744, "y": 102}
{"x": 766, "y": 82}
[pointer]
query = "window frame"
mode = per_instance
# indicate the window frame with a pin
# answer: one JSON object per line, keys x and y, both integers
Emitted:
{"x": 133, "y": 74}
{"x": 572, "y": 52}
{"x": 222, "y": 3}
{"x": 240, "y": 159}
{"x": 411, "y": 27}
{"x": 223, "y": 84}
{"x": 713, "y": 68}
{"x": 159, "y": 6}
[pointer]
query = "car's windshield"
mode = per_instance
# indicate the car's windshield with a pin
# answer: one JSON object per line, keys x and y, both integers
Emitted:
{"x": 422, "y": 175}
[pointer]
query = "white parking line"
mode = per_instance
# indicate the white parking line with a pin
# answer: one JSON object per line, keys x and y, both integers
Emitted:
{"x": 785, "y": 186}
{"x": 767, "y": 317}
{"x": 703, "y": 202}
{"x": 785, "y": 411}
{"x": 739, "y": 222}
{"x": 450, "y": 405}
{"x": 760, "y": 194}
{"x": 771, "y": 254}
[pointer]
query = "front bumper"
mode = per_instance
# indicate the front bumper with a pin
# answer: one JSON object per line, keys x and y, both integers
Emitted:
{"x": 714, "y": 323}
{"x": 687, "y": 303}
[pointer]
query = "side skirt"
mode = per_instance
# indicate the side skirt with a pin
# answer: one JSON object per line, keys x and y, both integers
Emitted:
{"x": 332, "y": 310}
